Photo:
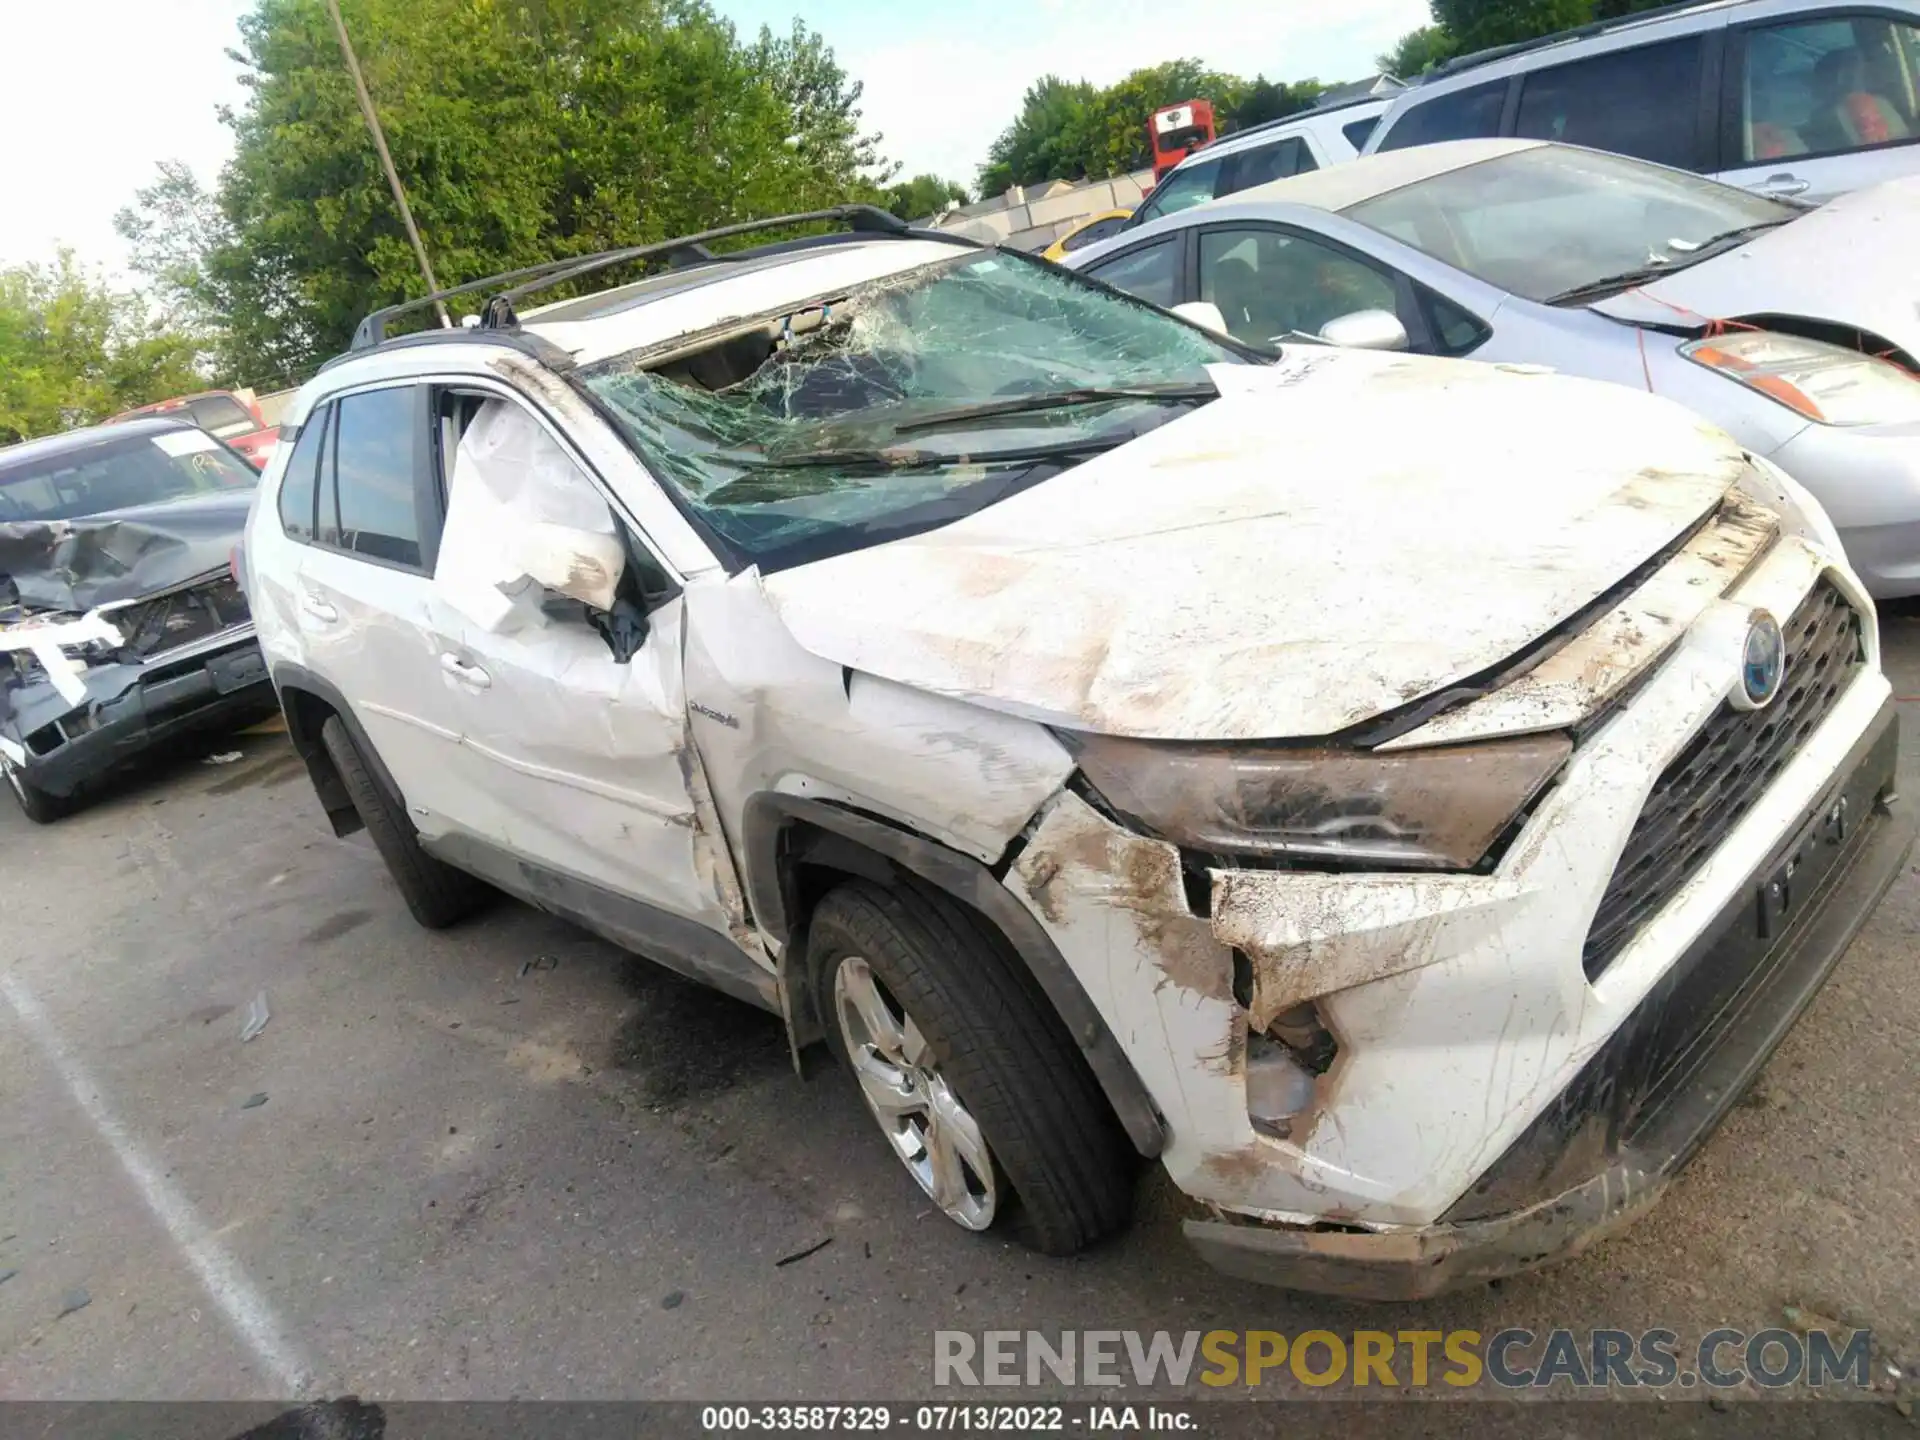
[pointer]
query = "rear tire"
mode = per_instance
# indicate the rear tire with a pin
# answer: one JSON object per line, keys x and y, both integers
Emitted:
{"x": 39, "y": 806}
{"x": 436, "y": 893}
{"x": 1063, "y": 1169}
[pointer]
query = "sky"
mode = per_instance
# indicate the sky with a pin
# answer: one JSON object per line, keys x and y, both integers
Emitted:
{"x": 101, "y": 91}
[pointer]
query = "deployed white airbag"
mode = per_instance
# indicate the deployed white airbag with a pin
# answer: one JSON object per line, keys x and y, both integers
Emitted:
{"x": 522, "y": 518}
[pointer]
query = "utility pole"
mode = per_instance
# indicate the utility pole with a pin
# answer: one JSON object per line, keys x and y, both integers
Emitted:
{"x": 386, "y": 159}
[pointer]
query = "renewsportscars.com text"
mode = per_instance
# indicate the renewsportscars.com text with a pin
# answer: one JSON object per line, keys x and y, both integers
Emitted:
{"x": 1509, "y": 1359}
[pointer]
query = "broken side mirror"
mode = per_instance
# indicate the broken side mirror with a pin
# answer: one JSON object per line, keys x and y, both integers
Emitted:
{"x": 584, "y": 565}
{"x": 1366, "y": 330}
{"x": 1203, "y": 313}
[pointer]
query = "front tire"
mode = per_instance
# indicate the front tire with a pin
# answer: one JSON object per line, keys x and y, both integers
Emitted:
{"x": 436, "y": 893}
{"x": 39, "y": 806}
{"x": 971, "y": 1075}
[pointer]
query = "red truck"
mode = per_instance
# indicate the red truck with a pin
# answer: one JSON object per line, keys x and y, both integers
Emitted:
{"x": 225, "y": 416}
{"x": 1176, "y": 131}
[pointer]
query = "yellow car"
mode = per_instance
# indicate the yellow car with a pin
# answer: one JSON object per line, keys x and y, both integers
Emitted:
{"x": 1103, "y": 226}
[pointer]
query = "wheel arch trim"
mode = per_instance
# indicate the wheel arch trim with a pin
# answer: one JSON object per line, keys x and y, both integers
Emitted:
{"x": 874, "y": 849}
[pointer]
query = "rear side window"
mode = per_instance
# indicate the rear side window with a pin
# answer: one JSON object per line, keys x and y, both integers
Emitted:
{"x": 1277, "y": 161}
{"x": 297, "y": 481}
{"x": 1359, "y": 132}
{"x": 1152, "y": 272}
{"x": 376, "y": 451}
{"x": 1469, "y": 114}
{"x": 222, "y": 414}
{"x": 1642, "y": 102}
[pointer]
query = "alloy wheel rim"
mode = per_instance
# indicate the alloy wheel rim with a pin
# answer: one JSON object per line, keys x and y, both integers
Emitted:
{"x": 934, "y": 1135}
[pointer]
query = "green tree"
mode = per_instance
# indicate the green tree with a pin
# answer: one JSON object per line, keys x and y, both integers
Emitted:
{"x": 1266, "y": 100}
{"x": 1463, "y": 26}
{"x": 1070, "y": 129}
{"x": 1480, "y": 24}
{"x": 1417, "y": 52}
{"x": 73, "y": 351}
{"x": 924, "y": 196}
{"x": 1053, "y": 132}
{"x": 524, "y": 130}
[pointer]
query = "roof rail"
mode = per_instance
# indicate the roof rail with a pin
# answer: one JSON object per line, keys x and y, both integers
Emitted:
{"x": 498, "y": 313}
{"x": 1559, "y": 37}
{"x": 1316, "y": 109}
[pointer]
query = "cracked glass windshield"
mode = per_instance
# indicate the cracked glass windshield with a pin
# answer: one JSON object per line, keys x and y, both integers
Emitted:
{"x": 902, "y": 404}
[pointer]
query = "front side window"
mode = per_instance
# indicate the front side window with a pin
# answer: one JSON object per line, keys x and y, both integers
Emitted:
{"x": 1640, "y": 102}
{"x": 1185, "y": 188}
{"x": 1272, "y": 286}
{"x": 1550, "y": 224}
{"x": 1469, "y": 114}
{"x": 1359, "y": 132}
{"x": 1152, "y": 272}
{"x": 117, "y": 473}
{"x": 1827, "y": 86}
{"x": 375, "y": 453}
{"x": 901, "y": 404}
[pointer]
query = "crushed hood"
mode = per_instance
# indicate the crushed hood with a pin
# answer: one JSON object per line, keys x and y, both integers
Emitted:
{"x": 1792, "y": 271}
{"x": 75, "y": 565}
{"x": 1341, "y": 533}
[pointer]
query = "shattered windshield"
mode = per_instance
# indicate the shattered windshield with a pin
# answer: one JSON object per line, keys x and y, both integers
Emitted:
{"x": 902, "y": 404}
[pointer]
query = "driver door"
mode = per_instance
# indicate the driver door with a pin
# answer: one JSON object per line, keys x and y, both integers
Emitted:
{"x": 574, "y": 761}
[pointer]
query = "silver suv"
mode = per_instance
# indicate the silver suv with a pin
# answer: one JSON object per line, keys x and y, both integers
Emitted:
{"x": 1795, "y": 98}
{"x": 1366, "y": 783}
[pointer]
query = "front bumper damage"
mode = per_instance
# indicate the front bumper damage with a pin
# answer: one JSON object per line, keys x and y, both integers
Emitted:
{"x": 65, "y": 721}
{"x": 1521, "y": 1057}
{"x": 1605, "y": 1150}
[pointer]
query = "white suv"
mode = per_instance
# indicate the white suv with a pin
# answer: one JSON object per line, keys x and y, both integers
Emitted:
{"x": 1804, "y": 99}
{"x": 1376, "y": 786}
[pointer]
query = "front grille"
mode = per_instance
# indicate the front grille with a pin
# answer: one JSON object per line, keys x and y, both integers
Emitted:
{"x": 1725, "y": 768}
{"x": 195, "y": 612}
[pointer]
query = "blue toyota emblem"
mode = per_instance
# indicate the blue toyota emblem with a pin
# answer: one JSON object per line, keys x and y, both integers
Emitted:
{"x": 1763, "y": 662}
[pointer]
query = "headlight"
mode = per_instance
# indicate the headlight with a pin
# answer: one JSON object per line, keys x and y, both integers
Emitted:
{"x": 1823, "y": 382}
{"x": 1438, "y": 809}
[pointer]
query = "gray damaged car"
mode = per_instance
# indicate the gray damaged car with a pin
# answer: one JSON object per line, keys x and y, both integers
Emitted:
{"x": 121, "y": 620}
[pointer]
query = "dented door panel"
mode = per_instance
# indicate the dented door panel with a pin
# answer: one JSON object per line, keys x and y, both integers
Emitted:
{"x": 579, "y": 764}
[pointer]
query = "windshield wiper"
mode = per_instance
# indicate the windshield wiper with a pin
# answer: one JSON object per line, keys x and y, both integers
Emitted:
{"x": 1054, "y": 400}
{"x": 1691, "y": 252}
{"x": 1607, "y": 283}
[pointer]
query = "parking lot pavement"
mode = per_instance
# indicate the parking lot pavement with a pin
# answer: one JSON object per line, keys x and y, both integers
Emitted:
{"x": 507, "y": 1160}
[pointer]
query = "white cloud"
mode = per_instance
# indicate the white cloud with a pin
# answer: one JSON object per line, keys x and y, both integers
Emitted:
{"x": 98, "y": 92}
{"x": 941, "y": 99}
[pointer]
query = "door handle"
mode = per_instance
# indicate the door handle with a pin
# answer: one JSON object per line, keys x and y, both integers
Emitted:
{"x": 319, "y": 609}
{"x": 1785, "y": 183}
{"x": 471, "y": 674}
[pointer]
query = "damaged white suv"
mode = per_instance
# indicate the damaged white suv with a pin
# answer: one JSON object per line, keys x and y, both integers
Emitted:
{"x": 1408, "y": 798}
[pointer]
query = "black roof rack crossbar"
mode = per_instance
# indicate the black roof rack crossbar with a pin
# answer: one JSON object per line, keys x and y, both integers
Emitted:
{"x": 1558, "y": 37}
{"x": 498, "y": 312}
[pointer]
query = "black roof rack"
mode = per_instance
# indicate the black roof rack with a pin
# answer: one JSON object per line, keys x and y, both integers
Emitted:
{"x": 1559, "y": 37}
{"x": 498, "y": 312}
